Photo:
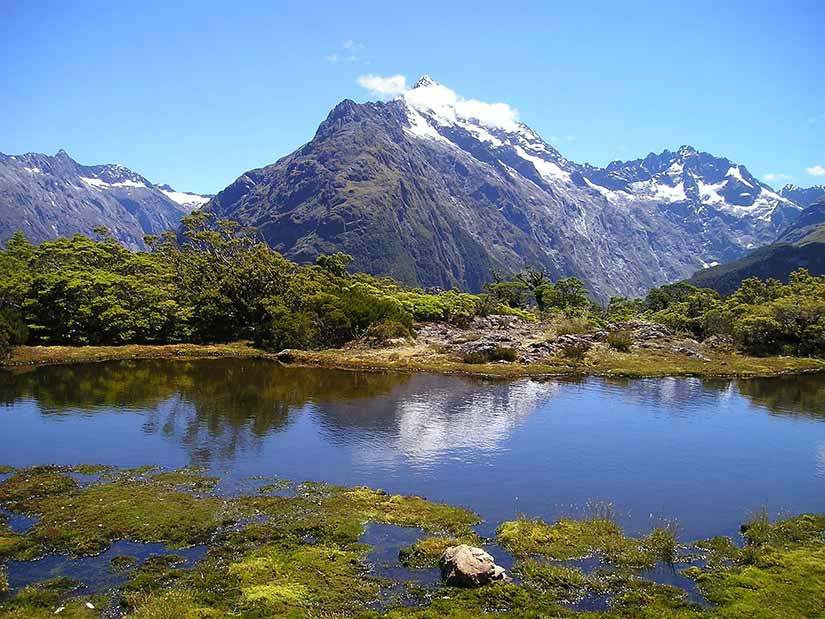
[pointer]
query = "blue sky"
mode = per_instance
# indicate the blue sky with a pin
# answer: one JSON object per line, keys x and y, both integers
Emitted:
{"x": 195, "y": 93}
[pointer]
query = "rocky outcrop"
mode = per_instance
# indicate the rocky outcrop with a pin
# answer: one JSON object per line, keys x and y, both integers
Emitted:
{"x": 468, "y": 566}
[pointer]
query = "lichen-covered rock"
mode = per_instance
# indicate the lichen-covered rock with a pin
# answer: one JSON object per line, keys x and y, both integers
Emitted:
{"x": 468, "y": 566}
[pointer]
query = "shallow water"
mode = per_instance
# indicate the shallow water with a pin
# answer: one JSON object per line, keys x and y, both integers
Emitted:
{"x": 705, "y": 453}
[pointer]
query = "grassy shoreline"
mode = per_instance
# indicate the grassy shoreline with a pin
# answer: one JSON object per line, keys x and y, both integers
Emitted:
{"x": 418, "y": 358}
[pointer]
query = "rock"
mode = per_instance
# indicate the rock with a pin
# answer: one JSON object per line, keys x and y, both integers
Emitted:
{"x": 643, "y": 330}
{"x": 719, "y": 342}
{"x": 286, "y": 356}
{"x": 689, "y": 352}
{"x": 468, "y": 566}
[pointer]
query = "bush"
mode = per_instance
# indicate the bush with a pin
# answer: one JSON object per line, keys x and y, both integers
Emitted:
{"x": 575, "y": 325}
{"x": 285, "y": 328}
{"x": 13, "y": 332}
{"x": 386, "y": 330}
{"x": 576, "y": 351}
{"x": 499, "y": 353}
{"x": 620, "y": 340}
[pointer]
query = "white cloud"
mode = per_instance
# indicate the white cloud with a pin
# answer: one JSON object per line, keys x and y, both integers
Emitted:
{"x": 817, "y": 170}
{"x": 350, "y": 44}
{"x": 776, "y": 176}
{"x": 383, "y": 86}
{"x": 446, "y": 104}
{"x": 348, "y": 55}
{"x": 335, "y": 58}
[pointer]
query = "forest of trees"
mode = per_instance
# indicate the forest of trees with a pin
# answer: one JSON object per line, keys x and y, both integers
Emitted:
{"x": 216, "y": 282}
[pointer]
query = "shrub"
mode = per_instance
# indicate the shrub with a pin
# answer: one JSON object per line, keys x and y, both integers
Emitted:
{"x": 285, "y": 328}
{"x": 620, "y": 340}
{"x": 499, "y": 353}
{"x": 575, "y": 325}
{"x": 575, "y": 351}
{"x": 382, "y": 332}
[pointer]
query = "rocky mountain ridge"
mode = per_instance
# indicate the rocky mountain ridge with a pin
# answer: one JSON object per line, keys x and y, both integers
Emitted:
{"x": 50, "y": 196}
{"x": 437, "y": 190}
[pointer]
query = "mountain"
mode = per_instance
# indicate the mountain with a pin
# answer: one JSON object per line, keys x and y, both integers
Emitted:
{"x": 188, "y": 200}
{"x": 437, "y": 190}
{"x": 804, "y": 196}
{"x": 46, "y": 197}
{"x": 802, "y": 244}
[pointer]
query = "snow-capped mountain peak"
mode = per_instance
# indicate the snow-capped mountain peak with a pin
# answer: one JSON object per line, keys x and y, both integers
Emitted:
{"x": 424, "y": 81}
{"x": 436, "y": 112}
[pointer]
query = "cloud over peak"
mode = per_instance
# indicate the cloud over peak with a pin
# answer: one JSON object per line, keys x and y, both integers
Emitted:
{"x": 441, "y": 101}
{"x": 380, "y": 86}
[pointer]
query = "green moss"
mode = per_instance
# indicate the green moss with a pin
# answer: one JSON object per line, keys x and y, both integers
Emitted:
{"x": 121, "y": 563}
{"x": 172, "y": 604}
{"x": 804, "y": 528}
{"x": 788, "y": 584}
{"x": 275, "y": 486}
{"x": 191, "y": 478}
{"x": 427, "y": 551}
{"x": 4, "y": 581}
{"x": 86, "y": 521}
{"x": 575, "y": 539}
{"x": 498, "y": 600}
{"x": 5, "y": 469}
{"x": 40, "y": 601}
{"x": 89, "y": 469}
{"x": 718, "y": 551}
{"x": 636, "y": 598}
{"x": 339, "y": 514}
{"x": 779, "y": 573}
{"x": 15, "y": 546}
{"x": 24, "y": 487}
{"x": 557, "y": 581}
{"x": 157, "y": 572}
{"x": 323, "y": 577}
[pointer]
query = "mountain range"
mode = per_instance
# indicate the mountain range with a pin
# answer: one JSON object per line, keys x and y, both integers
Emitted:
{"x": 801, "y": 245}
{"x": 439, "y": 191}
{"x": 46, "y": 197}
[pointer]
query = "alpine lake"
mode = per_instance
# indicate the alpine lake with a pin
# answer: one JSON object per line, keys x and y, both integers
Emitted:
{"x": 246, "y": 488}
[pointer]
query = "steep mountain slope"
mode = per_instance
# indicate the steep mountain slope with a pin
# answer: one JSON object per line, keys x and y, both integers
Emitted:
{"x": 46, "y": 197}
{"x": 802, "y": 244}
{"x": 804, "y": 196}
{"x": 441, "y": 191}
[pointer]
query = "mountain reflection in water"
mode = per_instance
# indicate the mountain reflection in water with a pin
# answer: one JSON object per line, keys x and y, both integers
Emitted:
{"x": 707, "y": 452}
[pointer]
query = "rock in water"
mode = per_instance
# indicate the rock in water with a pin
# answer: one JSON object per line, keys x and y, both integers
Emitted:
{"x": 468, "y": 566}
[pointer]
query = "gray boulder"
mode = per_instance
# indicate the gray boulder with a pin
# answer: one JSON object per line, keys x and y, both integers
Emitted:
{"x": 468, "y": 566}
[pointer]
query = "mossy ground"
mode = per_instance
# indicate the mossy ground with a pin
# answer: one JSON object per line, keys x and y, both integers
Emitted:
{"x": 425, "y": 358}
{"x": 299, "y": 556}
{"x": 636, "y": 364}
{"x": 23, "y": 356}
{"x": 576, "y": 539}
{"x": 427, "y": 551}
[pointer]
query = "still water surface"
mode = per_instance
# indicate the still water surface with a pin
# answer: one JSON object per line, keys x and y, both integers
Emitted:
{"x": 706, "y": 453}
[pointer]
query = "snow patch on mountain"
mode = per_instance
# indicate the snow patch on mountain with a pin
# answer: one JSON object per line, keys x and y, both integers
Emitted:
{"x": 184, "y": 198}
{"x": 98, "y": 183}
